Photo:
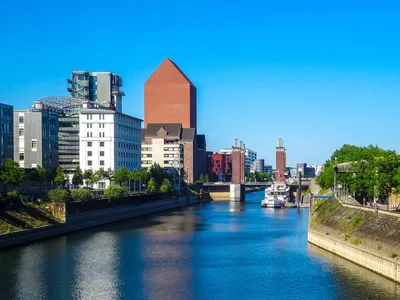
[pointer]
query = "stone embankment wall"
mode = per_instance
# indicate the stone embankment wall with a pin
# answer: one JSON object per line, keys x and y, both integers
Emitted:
{"x": 79, "y": 221}
{"x": 359, "y": 235}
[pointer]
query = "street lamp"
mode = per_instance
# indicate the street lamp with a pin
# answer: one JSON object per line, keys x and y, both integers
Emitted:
{"x": 354, "y": 176}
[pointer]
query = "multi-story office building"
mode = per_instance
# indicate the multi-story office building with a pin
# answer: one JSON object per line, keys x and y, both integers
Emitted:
{"x": 250, "y": 156}
{"x": 170, "y": 146}
{"x": 306, "y": 172}
{"x": 219, "y": 166}
{"x": 258, "y": 166}
{"x": 36, "y": 138}
{"x": 108, "y": 139}
{"x": 102, "y": 87}
{"x": 268, "y": 169}
{"x": 6, "y": 133}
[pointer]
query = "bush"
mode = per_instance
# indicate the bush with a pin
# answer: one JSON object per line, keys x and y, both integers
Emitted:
{"x": 116, "y": 192}
{"x": 166, "y": 186}
{"x": 81, "y": 195}
{"x": 57, "y": 196}
{"x": 14, "y": 198}
{"x": 357, "y": 220}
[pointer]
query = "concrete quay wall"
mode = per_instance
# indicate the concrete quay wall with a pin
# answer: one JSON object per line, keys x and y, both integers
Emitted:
{"x": 91, "y": 219}
{"x": 384, "y": 266}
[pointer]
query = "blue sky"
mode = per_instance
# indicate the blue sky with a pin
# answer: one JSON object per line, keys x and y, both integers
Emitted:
{"x": 314, "y": 73}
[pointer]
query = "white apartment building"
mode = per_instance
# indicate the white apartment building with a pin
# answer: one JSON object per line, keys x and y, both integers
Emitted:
{"x": 250, "y": 157}
{"x": 167, "y": 155}
{"x": 108, "y": 140}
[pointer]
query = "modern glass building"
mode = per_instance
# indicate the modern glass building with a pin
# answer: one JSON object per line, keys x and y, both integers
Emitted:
{"x": 6, "y": 132}
{"x": 102, "y": 87}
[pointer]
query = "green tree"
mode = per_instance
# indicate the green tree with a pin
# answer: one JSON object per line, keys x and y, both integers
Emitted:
{"x": 39, "y": 175}
{"x": 121, "y": 176}
{"x": 77, "y": 179}
{"x": 11, "y": 173}
{"x": 251, "y": 177}
{"x": 99, "y": 176}
{"x": 152, "y": 186}
{"x": 157, "y": 173}
{"x": 116, "y": 192}
{"x": 60, "y": 178}
{"x": 87, "y": 177}
{"x": 134, "y": 177}
{"x": 206, "y": 179}
{"x": 166, "y": 186}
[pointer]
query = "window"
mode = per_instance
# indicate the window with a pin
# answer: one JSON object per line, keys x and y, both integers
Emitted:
{"x": 90, "y": 134}
{"x": 21, "y": 156}
{"x": 21, "y": 119}
{"x": 101, "y": 144}
{"x": 89, "y": 144}
{"x": 89, "y": 162}
{"x": 34, "y": 145}
{"x": 87, "y": 134}
{"x": 101, "y": 153}
{"x": 89, "y": 153}
{"x": 102, "y": 163}
{"x": 104, "y": 134}
{"x": 21, "y": 132}
{"x": 87, "y": 117}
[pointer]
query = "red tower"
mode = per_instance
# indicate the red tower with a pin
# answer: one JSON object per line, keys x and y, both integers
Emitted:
{"x": 238, "y": 163}
{"x": 280, "y": 162}
{"x": 170, "y": 97}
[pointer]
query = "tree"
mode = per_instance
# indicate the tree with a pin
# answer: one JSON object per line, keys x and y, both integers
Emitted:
{"x": 60, "y": 178}
{"x": 166, "y": 186}
{"x": 77, "y": 179}
{"x": 251, "y": 177}
{"x": 11, "y": 173}
{"x": 157, "y": 173}
{"x": 152, "y": 186}
{"x": 39, "y": 175}
{"x": 121, "y": 176}
{"x": 87, "y": 177}
{"x": 99, "y": 176}
{"x": 134, "y": 176}
{"x": 206, "y": 178}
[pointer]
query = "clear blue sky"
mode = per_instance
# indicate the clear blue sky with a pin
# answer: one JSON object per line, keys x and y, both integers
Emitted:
{"x": 316, "y": 74}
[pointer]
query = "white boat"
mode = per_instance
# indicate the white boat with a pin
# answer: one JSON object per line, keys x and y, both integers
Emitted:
{"x": 276, "y": 196}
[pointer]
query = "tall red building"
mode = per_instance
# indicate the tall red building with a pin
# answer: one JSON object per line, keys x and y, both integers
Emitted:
{"x": 280, "y": 162}
{"x": 170, "y": 100}
{"x": 170, "y": 97}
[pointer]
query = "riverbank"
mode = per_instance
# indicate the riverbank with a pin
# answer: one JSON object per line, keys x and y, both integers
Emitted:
{"x": 364, "y": 237}
{"x": 80, "y": 221}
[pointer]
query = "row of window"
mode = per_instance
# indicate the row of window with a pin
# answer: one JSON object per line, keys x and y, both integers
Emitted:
{"x": 89, "y": 144}
{"x": 171, "y": 149}
{"x": 90, "y": 134}
{"x": 90, "y": 163}
{"x": 127, "y": 154}
{"x": 123, "y": 145}
{"x": 89, "y": 153}
{"x": 89, "y": 117}
{"x": 126, "y": 120}
{"x": 90, "y": 125}
{"x": 147, "y": 149}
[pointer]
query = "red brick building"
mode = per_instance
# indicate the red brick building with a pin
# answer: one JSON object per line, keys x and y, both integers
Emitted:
{"x": 170, "y": 97}
{"x": 280, "y": 162}
{"x": 219, "y": 166}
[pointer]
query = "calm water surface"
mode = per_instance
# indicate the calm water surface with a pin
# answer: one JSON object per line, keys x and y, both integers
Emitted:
{"x": 213, "y": 251}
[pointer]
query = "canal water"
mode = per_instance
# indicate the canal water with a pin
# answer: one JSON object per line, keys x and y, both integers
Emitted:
{"x": 211, "y": 251}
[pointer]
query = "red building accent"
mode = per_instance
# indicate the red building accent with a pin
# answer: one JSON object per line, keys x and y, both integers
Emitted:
{"x": 280, "y": 162}
{"x": 170, "y": 97}
{"x": 219, "y": 166}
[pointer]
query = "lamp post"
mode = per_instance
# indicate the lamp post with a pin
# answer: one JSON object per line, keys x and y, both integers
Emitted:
{"x": 354, "y": 176}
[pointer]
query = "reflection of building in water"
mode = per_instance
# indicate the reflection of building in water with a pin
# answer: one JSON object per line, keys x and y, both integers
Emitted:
{"x": 361, "y": 283}
{"x": 167, "y": 258}
{"x": 96, "y": 268}
{"x": 236, "y": 206}
{"x": 31, "y": 273}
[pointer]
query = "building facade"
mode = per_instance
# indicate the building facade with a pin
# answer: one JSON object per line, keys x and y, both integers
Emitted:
{"x": 258, "y": 166}
{"x": 170, "y": 97}
{"x": 250, "y": 156}
{"x": 220, "y": 167}
{"x": 306, "y": 172}
{"x": 36, "y": 138}
{"x": 6, "y": 133}
{"x": 280, "y": 162}
{"x": 108, "y": 140}
{"x": 101, "y": 87}
{"x": 170, "y": 146}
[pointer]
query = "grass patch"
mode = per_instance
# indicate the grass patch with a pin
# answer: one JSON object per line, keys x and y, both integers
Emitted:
{"x": 356, "y": 242}
{"x": 393, "y": 255}
{"x": 379, "y": 246}
{"x": 356, "y": 220}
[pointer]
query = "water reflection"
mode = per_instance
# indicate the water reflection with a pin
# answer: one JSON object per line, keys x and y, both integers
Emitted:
{"x": 211, "y": 251}
{"x": 354, "y": 281}
{"x": 96, "y": 268}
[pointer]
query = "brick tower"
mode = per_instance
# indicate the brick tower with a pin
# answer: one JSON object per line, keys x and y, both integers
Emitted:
{"x": 170, "y": 97}
{"x": 280, "y": 161}
{"x": 238, "y": 162}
